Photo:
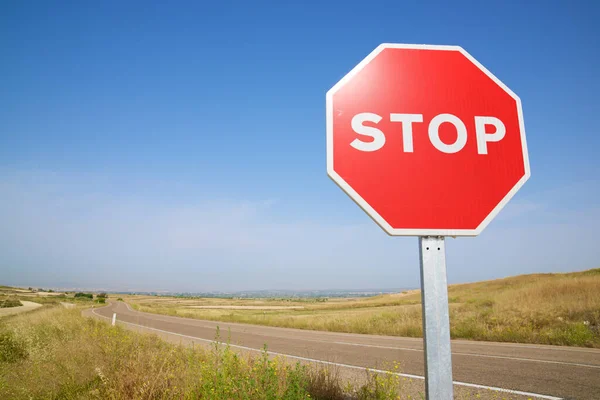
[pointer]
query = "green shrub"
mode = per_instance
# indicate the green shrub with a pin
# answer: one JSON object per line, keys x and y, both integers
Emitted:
{"x": 7, "y": 303}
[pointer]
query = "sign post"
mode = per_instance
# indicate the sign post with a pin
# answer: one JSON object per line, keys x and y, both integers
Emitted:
{"x": 428, "y": 143}
{"x": 436, "y": 322}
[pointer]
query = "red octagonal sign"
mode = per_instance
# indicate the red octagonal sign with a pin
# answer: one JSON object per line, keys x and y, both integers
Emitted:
{"x": 426, "y": 140}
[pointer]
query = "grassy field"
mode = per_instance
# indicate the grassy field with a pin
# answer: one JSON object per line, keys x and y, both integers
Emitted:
{"x": 559, "y": 309}
{"x": 11, "y": 294}
{"x": 55, "y": 353}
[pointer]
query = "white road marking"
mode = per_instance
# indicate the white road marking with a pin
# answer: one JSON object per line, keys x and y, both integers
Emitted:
{"x": 469, "y": 354}
{"x": 530, "y": 360}
{"x": 530, "y": 346}
{"x": 472, "y": 385}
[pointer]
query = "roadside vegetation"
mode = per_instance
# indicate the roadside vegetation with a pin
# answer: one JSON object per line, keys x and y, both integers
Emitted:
{"x": 55, "y": 353}
{"x": 558, "y": 309}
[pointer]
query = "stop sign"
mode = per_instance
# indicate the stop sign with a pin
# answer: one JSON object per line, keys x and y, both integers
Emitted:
{"x": 426, "y": 140}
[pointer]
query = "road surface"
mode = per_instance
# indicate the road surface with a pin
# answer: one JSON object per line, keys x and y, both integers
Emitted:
{"x": 551, "y": 371}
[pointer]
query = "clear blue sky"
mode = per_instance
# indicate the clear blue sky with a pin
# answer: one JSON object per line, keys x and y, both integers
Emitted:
{"x": 181, "y": 146}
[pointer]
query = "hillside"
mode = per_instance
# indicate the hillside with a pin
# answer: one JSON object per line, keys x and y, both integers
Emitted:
{"x": 559, "y": 309}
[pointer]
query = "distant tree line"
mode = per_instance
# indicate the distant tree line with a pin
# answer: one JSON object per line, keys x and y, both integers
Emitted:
{"x": 99, "y": 296}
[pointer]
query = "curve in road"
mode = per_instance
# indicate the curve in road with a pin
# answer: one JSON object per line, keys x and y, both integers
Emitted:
{"x": 548, "y": 372}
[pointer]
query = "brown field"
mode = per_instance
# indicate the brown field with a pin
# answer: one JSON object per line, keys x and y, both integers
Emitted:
{"x": 559, "y": 309}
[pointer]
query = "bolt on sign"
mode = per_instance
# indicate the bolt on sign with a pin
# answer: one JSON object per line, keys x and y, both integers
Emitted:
{"x": 428, "y": 143}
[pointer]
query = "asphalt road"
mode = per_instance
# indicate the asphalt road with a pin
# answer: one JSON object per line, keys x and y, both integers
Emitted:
{"x": 553, "y": 371}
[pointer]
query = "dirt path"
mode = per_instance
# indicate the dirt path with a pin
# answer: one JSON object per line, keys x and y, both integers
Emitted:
{"x": 27, "y": 306}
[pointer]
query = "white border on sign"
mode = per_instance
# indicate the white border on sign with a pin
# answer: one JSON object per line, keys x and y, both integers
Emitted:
{"x": 363, "y": 204}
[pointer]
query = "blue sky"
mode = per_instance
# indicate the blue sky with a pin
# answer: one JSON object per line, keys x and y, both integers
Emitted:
{"x": 182, "y": 147}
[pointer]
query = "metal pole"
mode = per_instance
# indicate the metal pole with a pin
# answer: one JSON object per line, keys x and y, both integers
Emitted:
{"x": 436, "y": 321}
{"x": 114, "y": 320}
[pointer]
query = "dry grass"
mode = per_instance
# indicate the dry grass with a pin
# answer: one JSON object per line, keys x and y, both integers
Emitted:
{"x": 55, "y": 353}
{"x": 559, "y": 309}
